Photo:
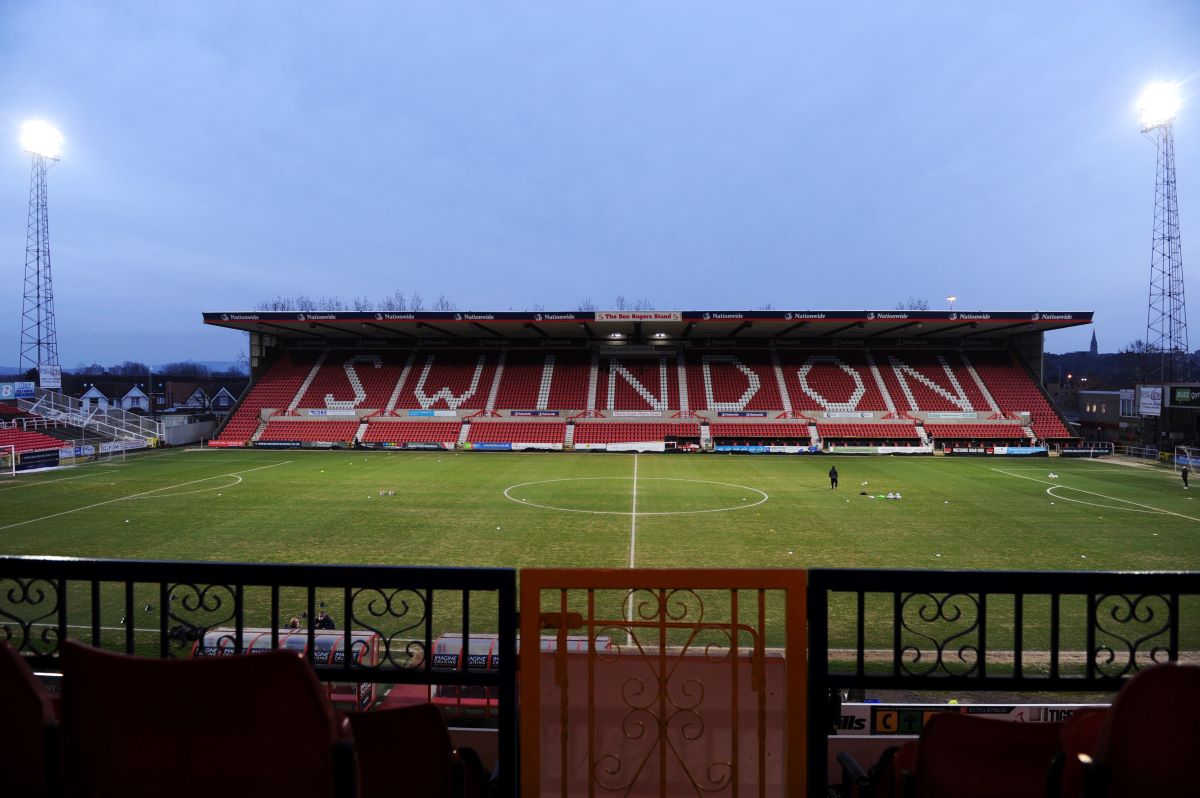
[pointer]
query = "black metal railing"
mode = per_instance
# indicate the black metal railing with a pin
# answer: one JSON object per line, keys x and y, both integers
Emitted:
{"x": 388, "y": 619}
{"x": 1036, "y": 631}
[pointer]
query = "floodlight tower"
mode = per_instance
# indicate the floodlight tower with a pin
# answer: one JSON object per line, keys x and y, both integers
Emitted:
{"x": 1166, "y": 316}
{"x": 39, "y": 341}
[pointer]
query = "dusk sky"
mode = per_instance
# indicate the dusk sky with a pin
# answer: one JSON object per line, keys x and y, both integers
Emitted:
{"x": 700, "y": 155}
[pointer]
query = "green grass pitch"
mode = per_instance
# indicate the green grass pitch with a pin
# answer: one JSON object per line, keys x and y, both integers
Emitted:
{"x": 580, "y": 510}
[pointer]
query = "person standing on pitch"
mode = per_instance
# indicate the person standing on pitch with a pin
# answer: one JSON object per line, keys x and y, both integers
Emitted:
{"x": 833, "y": 477}
{"x": 1184, "y": 473}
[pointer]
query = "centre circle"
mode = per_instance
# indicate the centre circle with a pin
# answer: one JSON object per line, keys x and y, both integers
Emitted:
{"x": 655, "y": 495}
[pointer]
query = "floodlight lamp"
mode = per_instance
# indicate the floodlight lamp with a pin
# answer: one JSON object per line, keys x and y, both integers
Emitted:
{"x": 41, "y": 138}
{"x": 1158, "y": 105}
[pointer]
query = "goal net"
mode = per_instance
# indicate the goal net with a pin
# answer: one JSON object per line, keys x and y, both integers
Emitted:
{"x": 8, "y": 461}
{"x": 1187, "y": 456}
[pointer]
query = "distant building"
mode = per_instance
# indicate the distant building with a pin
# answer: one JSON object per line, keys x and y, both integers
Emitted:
{"x": 1095, "y": 350}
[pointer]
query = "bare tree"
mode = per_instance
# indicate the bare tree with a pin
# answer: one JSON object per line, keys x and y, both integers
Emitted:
{"x": 587, "y": 306}
{"x": 443, "y": 304}
{"x": 913, "y": 303}
{"x": 415, "y": 302}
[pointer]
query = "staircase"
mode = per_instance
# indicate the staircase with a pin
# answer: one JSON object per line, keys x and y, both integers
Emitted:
{"x": 262, "y": 427}
{"x": 814, "y": 436}
{"x": 593, "y": 379}
{"x": 923, "y": 435}
{"x": 569, "y": 438}
{"x": 490, "y": 407}
{"x": 979, "y": 384}
{"x": 362, "y": 431}
{"x": 391, "y": 405}
{"x": 681, "y": 370}
{"x": 112, "y": 422}
{"x": 706, "y": 441}
{"x": 463, "y": 432}
{"x": 543, "y": 397}
{"x": 783, "y": 391}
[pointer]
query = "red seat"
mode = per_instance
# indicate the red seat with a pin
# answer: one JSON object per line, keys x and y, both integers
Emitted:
{"x": 256, "y": 725}
{"x": 28, "y": 732}
{"x": 1151, "y": 736}
{"x": 412, "y": 745}
{"x": 972, "y": 755}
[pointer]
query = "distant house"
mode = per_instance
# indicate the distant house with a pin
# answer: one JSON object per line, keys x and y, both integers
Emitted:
{"x": 94, "y": 399}
{"x": 197, "y": 400}
{"x": 135, "y": 399}
{"x": 224, "y": 400}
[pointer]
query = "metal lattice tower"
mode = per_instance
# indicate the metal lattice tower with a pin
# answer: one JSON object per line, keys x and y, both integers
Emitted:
{"x": 1166, "y": 317}
{"x": 39, "y": 341}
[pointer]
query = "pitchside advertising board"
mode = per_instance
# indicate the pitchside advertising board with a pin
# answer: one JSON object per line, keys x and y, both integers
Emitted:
{"x": 1184, "y": 396}
{"x": 908, "y": 719}
{"x": 15, "y": 390}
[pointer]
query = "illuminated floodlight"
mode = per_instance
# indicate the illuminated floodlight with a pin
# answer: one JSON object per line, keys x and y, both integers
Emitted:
{"x": 1158, "y": 105}
{"x": 952, "y": 300}
{"x": 41, "y": 138}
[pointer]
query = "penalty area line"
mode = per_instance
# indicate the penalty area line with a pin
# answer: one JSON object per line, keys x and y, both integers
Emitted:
{"x": 139, "y": 495}
{"x": 1053, "y": 485}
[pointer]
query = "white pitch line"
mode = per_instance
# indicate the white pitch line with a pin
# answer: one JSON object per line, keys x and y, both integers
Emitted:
{"x": 139, "y": 495}
{"x": 47, "y": 482}
{"x": 633, "y": 514}
{"x": 1053, "y": 485}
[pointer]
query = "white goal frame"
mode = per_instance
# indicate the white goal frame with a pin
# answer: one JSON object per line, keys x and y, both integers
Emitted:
{"x": 8, "y": 460}
{"x": 1190, "y": 455}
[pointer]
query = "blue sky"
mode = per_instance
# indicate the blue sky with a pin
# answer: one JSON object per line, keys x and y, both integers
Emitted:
{"x": 697, "y": 154}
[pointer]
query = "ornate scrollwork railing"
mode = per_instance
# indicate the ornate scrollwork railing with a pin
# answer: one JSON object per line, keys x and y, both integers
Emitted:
{"x": 1035, "y": 631}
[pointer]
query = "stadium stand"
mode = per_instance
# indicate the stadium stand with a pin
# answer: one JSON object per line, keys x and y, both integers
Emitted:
{"x": 975, "y": 431}
{"x": 609, "y": 432}
{"x": 637, "y": 384}
{"x": 872, "y": 431}
{"x": 347, "y": 380}
{"x": 874, "y": 388}
{"x": 449, "y": 381}
{"x": 275, "y": 389}
{"x": 385, "y": 431}
{"x": 517, "y": 431}
{"x": 732, "y": 381}
{"x": 785, "y": 429}
{"x": 307, "y": 431}
{"x": 28, "y": 441}
{"x": 1016, "y": 392}
{"x": 840, "y": 381}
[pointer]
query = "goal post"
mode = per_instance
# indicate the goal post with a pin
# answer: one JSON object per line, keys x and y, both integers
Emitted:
{"x": 1186, "y": 456}
{"x": 8, "y": 460}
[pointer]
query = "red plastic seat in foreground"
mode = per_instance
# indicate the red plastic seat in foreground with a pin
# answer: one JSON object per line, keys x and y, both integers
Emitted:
{"x": 29, "y": 731}
{"x": 971, "y": 755}
{"x": 253, "y": 725}
{"x": 1151, "y": 736}
{"x": 411, "y": 747}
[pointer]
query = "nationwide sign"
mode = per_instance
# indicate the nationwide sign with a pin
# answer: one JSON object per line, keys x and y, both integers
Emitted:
{"x": 799, "y": 317}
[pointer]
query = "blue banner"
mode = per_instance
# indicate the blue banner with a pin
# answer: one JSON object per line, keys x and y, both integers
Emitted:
{"x": 533, "y": 413}
{"x": 487, "y": 446}
{"x": 420, "y": 412}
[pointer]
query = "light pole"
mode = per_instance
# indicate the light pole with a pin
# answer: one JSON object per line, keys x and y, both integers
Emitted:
{"x": 39, "y": 340}
{"x": 951, "y": 300}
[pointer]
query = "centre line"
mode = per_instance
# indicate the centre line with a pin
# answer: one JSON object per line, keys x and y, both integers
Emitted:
{"x": 633, "y": 515}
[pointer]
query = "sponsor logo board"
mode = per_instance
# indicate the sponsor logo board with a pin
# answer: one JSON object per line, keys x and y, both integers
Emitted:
{"x": 638, "y": 413}
{"x": 48, "y": 458}
{"x": 533, "y": 413}
{"x": 639, "y": 315}
{"x": 276, "y": 444}
{"x": 847, "y": 414}
{"x": 330, "y": 412}
{"x": 431, "y": 413}
{"x": 226, "y": 444}
{"x": 742, "y": 414}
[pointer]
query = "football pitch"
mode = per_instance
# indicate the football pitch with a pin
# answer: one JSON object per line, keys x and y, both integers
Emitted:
{"x": 607, "y": 510}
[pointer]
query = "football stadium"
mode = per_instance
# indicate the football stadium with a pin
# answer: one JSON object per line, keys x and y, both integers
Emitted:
{"x": 396, "y": 547}
{"x": 397, "y": 458}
